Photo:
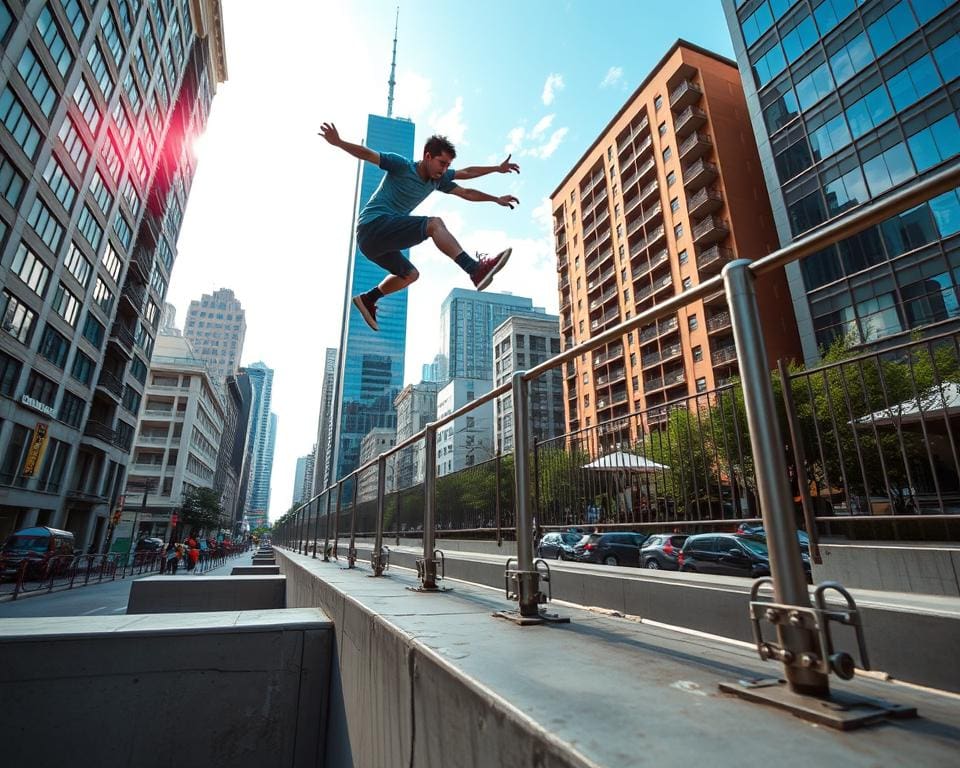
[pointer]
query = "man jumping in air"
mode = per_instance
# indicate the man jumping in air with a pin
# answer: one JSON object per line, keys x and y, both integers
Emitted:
{"x": 385, "y": 226}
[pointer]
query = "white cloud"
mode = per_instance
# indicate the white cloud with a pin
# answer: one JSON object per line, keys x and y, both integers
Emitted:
{"x": 450, "y": 123}
{"x": 414, "y": 95}
{"x": 515, "y": 140}
{"x": 554, "y": 83}
{"x": 613, "y": 77}
{"x": 543, "y": 216}
{"x": 546, "y": 150}
{"x": 540, "y": 127}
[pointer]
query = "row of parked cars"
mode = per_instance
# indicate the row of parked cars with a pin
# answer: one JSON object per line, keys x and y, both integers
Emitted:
{"x": 743, "y": 553}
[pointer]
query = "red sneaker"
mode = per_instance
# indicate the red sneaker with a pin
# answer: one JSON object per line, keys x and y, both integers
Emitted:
{"x": 488, "y": 268}
{"x": 367, "y": 309}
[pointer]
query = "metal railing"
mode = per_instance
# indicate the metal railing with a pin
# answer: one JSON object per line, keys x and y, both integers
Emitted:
{"x": 799, "y": 647}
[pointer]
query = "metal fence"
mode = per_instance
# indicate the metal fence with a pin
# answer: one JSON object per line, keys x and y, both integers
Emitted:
{"x": 860, "y": 432}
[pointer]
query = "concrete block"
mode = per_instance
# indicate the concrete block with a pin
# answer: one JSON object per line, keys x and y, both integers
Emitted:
{"x": 929, "y": 570}
{"x": 255, "y": 683}
{"x": 179, "y": 594}
{"x": 255, "y": 570}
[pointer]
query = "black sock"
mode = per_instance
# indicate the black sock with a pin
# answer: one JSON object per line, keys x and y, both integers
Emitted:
{"x": 374, "y": 294}
{"x": 466, "y": 263}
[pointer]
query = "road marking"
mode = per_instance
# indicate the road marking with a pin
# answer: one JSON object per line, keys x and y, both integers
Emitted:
{"x": 87, "y": 613}
{"x": 119, "y": 610}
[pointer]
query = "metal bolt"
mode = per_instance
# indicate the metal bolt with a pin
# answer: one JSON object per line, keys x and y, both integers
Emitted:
{"x": 772, "y": 615}
{"x": 796, "y": 620}
{"x": 786, "y": 656}
{"x": 808, "y": 660}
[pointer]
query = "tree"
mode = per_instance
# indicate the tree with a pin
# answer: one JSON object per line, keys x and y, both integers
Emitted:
{"x": 201, "y": 509}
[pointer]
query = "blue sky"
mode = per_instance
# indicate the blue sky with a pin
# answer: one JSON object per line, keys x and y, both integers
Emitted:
{"x": 271, "y": 206}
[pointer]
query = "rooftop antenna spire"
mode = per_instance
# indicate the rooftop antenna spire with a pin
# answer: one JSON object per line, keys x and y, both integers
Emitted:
{"x": 393, "y": 66}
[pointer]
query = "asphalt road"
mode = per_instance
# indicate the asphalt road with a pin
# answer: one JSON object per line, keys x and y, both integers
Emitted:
{"x": 106, "y": 599}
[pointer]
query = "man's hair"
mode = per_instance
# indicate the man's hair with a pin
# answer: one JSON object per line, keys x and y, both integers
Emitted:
{"x": 437, "y": 145}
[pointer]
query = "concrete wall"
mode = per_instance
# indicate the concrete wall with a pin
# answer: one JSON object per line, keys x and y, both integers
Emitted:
{"x": 396, "y": 704}
{"x": 916, "y": 569}
{"x": 719, "y": 605}
{"x": 237, "y": 689}
{"x": 178, "y": 594}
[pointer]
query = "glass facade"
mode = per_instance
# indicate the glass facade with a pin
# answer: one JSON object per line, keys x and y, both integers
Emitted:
{"x": 262, "y": 433}
{"x": 371, "y": 363}
{"x": 850, "y": 99}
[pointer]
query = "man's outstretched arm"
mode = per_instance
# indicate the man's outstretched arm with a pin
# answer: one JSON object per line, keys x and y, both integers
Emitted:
{"x": 329, "y": 132}
{"x": 472, "y": 171}
{"x": 476, "y": 196}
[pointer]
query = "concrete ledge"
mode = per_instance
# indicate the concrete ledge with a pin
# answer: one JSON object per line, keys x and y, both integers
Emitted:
{"x": 434, "y": 680}
{"x": 181, "y": 594}
{"x": 255, "y": 570}
{"x": 917, "y": 569}
{"x": 238, "y": 689}
{"x": 895, "y": 624}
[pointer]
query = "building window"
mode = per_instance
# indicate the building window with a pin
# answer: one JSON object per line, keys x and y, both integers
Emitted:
{"x": 82, "y": 369}
{"x": 88, "y": 226}
{"x": 31, "y": 270}
{"x": 53, "y": 39}
{"x": 667, "y": 153}
{"x": 103, "y": 297}
{"x": 698, "y": 354}
{"x": 662, "y": 128}
{"x": 687, "y": 283}
{"x": 683, "y": 257}
{"x": 702, "y": 384}
{"x": 17, "y": 448}
{"x": 59, "y": 183}
{"x": 87, "y": 106}
{"x": 66, "y": 304}
{"x": 45, "y": 224}
{"x": 100, "y": 71}
{"x": 54, "y": 346}
{"x": 51, "y": 475}
{"x": 71, "y": 409}
{"x": 11, "y": 182}
{"x": 10, "y": 369}
{"x": 93, "y": 330}
{"x": 678, "y": 231}
{"x": 657, "y": 102}
{"x": 671, "y": 178}
{"x": 692, "y": 322}
{"x": 40, "y": 388}
{"x": 101, "y": 193}
{"x": 73, "y": 144}
{"x": 112, "y": 263}
{"x": 15, "y": 120}
{"x": 37, "y": 81}
{"x": 675, "y": 204}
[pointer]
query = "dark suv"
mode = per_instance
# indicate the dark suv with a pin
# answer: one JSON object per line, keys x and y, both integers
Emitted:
{"x": 726, "y": 554}
{"x": 614, "y": 548}
{"x": 558, "y": 544}
{"x": 660, "y": 551}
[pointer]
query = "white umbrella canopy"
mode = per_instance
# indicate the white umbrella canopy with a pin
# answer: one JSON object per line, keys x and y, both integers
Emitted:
{"x": 620, "y": 461}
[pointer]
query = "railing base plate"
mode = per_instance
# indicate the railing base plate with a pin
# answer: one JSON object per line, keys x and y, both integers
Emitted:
{"x": 430, "y": 589}
{"x": 840, "y": 710}
{"x": 541, "y": 618}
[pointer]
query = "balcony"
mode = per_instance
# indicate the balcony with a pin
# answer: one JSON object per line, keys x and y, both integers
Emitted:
{"x": 710, "y": 230}
{"x": 562, "y": 263}
{"x": 655, "y": 261}
{"x": 110, "y": 382}
{"x": 596, "y": 262}
{"x": 695, "y": 146}
{"x": 611, "y": 378}
{"x": 689, "y": 120}
{"x": 100, "y": 431}
{"x": 655, "y": 236}
{"x": 660, "y": 329}
{"x": 603, "y": 299}
{"x": 711, "y": 261}
{"x": 597, "y": 282}
{"x": 718, "y": 322}
{"x": 607, "y": 319}
{"x": 558, "y": 226}
{"x": 704, "y": 202}
{"x": 716, "y": 298}
{"x": 133, "y": 293}
{"x": 667, "y": 353}
{"x": 564, "y": 283}
{"x": 646, "y": 144}
{"x": 143, "y": 261}
{"x": 649, "y": 189}
{"x": 672, "y": 378}
{"x": 658, "y": 284}
{"x": 724, "y": 356}
{"x": 657, "y": 417}
{"x": 699, "y": 174}
{"x": 654, "y": 210}
{"x": 604, "y": 358}
{"x": 684, "y": 95}
{"x": 646, "y": 170}
{"x": 123, "y": 335}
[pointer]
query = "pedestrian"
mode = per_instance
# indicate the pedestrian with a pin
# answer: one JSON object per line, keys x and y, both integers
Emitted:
{"x": 172, "y": 557}
{"x": 385, "y": 226}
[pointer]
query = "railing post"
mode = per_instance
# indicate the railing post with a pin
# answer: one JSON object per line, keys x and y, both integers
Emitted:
{"x": 528, "y": 580}
{"x": 776, "y": 500}
{"x": 326, "y": 528}
{"x": 336, "y": 521}
{"x": 377, "y": 559}
{"x": 428, "y": 565}
{"x": 351, "y": 548}
{"x": 316, "y": 528}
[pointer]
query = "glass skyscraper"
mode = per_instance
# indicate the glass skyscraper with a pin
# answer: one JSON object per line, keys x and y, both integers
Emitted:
{"x": 262, "y": 434}
{"x": 850, "y": 99}
{"x": 370, "y": 363}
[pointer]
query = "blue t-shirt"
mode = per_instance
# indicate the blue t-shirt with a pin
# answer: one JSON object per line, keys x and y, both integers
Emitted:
{"x": 401, "y": 189}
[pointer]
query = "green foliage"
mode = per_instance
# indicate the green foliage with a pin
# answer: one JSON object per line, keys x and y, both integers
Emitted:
{"x": 201, "y": 509}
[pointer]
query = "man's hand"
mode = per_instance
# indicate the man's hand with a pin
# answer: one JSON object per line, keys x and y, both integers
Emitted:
{"x": 507, "y": 201}
{"x": 507, "y": 167}
{"x": 329, "y": 132}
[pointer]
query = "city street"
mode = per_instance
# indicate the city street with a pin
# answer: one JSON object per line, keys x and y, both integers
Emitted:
{"x": 104, "y": 599}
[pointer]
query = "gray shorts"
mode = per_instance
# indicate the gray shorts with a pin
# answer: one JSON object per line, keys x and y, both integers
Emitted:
{"x": 383, "y": 239}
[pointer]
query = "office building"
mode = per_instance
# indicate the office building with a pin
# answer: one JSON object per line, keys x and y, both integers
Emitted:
{"x": 416, "y": 407}
{"x": 179, "y": 431}
{"x": 240, "y": 397}
{"x": 298, "y": 477}
{"x": 99, "y": 104}
{"x": 519, "y": 344}
{"x": 323, "y": 449}
{"x": 262, "y": 426}
{"x": 468, "y": 439}
{"x": 370, "y": 363}
{"x": 375, "y": 442}
{"x": 849, "y": 101}
{"x": 670, "y": 191}
{"x": 168, "y": 320}
{"x": 467, "y": 320}
{"x": 216, "y": 326}
{"x": 431, "y": 371}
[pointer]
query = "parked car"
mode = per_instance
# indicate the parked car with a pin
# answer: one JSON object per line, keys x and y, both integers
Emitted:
{"x": 660, "y": 551}
{"x": 558, "y": 544}
{"x": 38, "y": 546}
{"x": 727, "y": 554}
{"x": 613, "y": 548}
{"x": 757, "y": 532}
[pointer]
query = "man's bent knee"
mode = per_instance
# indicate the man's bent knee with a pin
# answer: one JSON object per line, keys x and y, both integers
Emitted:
{"x": 434, "y": 225}
{"x": 411, "y": 277}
